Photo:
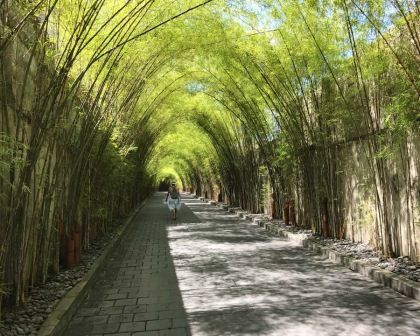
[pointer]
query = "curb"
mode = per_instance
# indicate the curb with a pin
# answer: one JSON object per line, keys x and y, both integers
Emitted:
{"x": 58, "y": 320}
{"x": 386, "y": 278}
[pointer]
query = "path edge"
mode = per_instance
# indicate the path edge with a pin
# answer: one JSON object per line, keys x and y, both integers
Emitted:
{"x": 58, "y": 320}
{"x": 386, "y": 278}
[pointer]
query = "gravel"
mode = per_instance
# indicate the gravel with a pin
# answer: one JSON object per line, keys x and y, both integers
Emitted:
{"x": 402, "y": 266}
{"x": 41, "y": 300}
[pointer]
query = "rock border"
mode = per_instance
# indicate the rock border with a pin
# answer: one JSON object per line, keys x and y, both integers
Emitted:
{"x": 386, "y": 278}
{"x": 58, "y": 320}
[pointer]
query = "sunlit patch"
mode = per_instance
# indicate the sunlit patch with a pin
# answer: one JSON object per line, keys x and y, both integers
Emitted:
{"x": 236, "y": 279}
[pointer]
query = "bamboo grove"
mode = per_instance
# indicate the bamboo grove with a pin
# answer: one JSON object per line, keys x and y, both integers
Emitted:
{"x": 305, "y": 110}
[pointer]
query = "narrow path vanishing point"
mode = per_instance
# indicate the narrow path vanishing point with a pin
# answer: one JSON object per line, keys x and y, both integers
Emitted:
{"x": 211, "y": 273}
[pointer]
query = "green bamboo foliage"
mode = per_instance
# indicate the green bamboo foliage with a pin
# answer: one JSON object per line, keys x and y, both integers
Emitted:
{"x": 73, "y": 97}
{"x": 313, "y": 103}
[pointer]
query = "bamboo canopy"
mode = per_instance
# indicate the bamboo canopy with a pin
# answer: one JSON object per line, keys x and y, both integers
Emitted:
{"x": 305, "y": 110}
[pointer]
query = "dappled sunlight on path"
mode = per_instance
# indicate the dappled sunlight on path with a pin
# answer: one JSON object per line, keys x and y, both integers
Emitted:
{"x": 237, "y": 279}
{"x": 209, "y": 273}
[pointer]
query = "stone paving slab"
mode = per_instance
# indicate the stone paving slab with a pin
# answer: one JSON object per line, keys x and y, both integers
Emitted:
{"x": 279, "y": 287}
{"x": 211, "y": 273}
{"x": 137, "y": 292}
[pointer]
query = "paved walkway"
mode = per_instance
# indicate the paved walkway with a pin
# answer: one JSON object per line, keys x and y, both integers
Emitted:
{"x": 210, "y": 273}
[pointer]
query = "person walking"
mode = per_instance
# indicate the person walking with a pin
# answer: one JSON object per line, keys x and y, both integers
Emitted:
{"x": 173, "y": 199}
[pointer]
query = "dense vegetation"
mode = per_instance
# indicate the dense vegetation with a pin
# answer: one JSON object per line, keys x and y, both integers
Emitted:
{"x": 308, "y": 110}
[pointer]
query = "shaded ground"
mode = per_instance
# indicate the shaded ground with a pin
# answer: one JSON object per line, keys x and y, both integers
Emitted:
{"x": 210, "y": 273}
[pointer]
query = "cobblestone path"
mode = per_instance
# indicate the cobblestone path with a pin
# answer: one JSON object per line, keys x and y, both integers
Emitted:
{"x": 210, "y": 273}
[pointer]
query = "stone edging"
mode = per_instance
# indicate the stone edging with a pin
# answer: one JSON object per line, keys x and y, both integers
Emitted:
{"x": 58, "y": 320}
{"x": 387, "y": 278}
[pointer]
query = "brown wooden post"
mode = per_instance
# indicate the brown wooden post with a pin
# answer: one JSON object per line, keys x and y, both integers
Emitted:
{"x": 292, "y": 213}
{"x": 325, "y": 224}
{"x": 273, "y": 209}
{"x": 286, "y": 212}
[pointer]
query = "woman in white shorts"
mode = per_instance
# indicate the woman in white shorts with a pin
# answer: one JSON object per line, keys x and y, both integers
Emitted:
{"x": 173, "y": 199}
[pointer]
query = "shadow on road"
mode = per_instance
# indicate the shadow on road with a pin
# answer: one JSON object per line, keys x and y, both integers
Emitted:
{"x": 237, "y": 279}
